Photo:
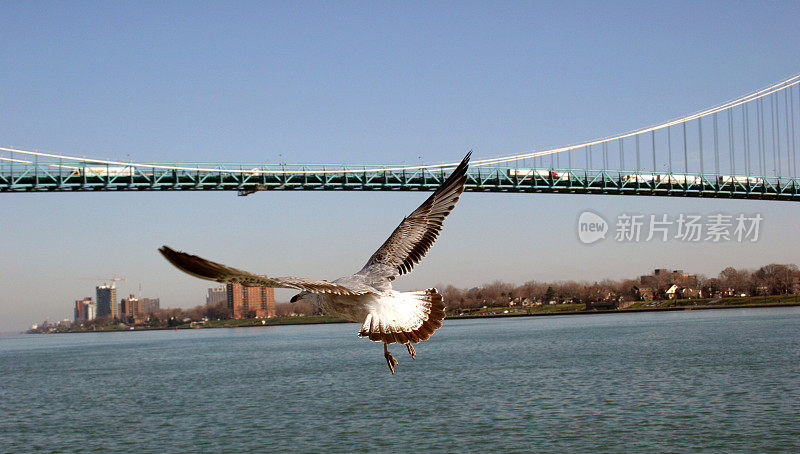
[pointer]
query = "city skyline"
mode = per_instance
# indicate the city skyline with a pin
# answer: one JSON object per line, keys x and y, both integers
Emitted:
{"x": 281, "y": 83}
{"x": 107, "y": 303}
{"x": 243, "y": 302}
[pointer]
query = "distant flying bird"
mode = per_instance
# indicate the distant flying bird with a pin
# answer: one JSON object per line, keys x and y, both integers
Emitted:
{"x": 367, "y": 297}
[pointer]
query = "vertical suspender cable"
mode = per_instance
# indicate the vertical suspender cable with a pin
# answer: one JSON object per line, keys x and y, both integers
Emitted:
{"x": 764, "y": 139}
{"x": 653, "y": 146}
{"x": 786, "y": 126}
{"x": 772, "y": 137}
{"x": 746, "y": 137}
{"x": 794, "y": 150}
{"x": 760, "y": 130}
{"x": 758, "y": 133}
{"x": 638, "y": 159}
{"x": 716, "y": 145}
{"x": 776, "y": 135}
{"x": 569, "y": 159}
{"x": 669, "y": 147}
{"x": 730, "y": 142}
{"x": 589, "y": 156}
{"x": 700, "y": 140}
{"x": 685, "y": 151}
{"x": 558, "y": 160}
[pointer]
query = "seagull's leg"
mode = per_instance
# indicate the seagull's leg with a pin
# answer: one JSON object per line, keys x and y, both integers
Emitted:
{"x": 411, "y": 351}
{"x": 389, "y": 358}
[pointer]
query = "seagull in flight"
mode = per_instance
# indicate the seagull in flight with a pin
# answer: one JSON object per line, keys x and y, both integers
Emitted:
{"x": 366, "y": 297}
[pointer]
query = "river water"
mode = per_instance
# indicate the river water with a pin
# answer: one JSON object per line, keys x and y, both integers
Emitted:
{"x": 719, "y": 381}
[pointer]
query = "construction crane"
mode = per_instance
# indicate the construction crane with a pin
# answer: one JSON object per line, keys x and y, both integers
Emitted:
{"x": 105, "y": 280}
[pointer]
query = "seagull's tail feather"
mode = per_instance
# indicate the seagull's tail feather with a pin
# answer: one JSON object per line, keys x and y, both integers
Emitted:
{"x": 404, "y": 317}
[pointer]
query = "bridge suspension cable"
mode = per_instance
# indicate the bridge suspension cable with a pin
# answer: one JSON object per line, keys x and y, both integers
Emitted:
{"x": 756, "y": 96}
{"x": 790, "y": 82}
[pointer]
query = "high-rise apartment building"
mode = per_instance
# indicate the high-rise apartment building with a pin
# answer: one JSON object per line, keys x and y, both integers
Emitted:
{"x": 85, "y": 309}
{"x": 249, "y": 302}
{"x": 128, "y": 307}
{"x": 107, "y": 301}
{"x": 148, "y": 305}
{"x": 217, "y": 295}
{"x": 137, "y": 308}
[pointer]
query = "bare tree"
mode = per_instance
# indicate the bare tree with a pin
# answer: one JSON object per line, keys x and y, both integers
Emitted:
{"x": 734, "y": 281}
{"x": 775, "y": 279}
{"x": 218, "y": 311}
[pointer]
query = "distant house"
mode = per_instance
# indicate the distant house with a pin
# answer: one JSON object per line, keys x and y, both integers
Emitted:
{"x": 714, "y": 291}
{"x": 672, "y": 292}
{"x": 644, "y": 293}
{"x": 689, "y": 293}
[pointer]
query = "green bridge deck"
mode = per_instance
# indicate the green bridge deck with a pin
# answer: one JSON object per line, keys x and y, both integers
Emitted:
{"x": 246, "y": 179}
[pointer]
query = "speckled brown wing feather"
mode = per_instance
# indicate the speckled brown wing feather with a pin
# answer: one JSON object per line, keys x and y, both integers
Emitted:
{"x": 206, "y": 269}
{"x": 416, "y": 234}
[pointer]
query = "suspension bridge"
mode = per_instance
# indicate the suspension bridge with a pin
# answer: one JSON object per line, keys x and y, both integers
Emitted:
{"x": 744, "y": 148}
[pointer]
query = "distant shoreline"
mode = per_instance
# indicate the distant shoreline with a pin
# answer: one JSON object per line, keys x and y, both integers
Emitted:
{"x": 316, "y": 320}
{"x": 623, "y": 311}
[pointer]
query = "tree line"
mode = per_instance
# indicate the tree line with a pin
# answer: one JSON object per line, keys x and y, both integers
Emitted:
{"x": 773, "y": 279}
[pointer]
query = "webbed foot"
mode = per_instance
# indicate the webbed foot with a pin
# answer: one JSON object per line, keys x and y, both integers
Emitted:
{"x": 411, "y": 351}
{"x": 390, "y": 360}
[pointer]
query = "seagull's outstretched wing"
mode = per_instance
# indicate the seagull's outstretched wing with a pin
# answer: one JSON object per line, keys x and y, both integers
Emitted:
{"x": 206, "y": 269}
{"x": 415, "y": 235}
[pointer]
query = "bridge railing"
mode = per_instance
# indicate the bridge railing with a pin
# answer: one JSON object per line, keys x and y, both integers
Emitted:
{"x": 245, "y": 178}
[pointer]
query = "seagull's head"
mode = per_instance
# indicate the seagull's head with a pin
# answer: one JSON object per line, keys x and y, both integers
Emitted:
{"x": 300, "y": 297}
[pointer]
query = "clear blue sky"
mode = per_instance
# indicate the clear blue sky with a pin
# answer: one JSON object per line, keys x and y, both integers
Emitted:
{"x": 358, "y": 82}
